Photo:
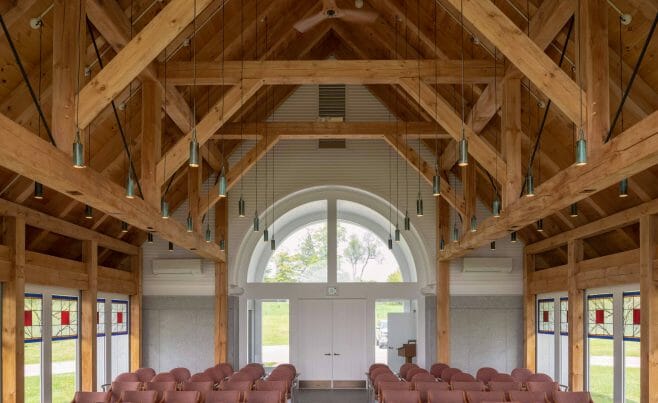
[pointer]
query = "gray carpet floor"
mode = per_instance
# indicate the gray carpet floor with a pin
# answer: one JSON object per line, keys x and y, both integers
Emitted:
{"x": 332, "y": 396}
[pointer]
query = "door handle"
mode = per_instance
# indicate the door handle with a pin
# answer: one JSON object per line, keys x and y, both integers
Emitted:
{"x": 336, "y": 354}
{"x": 327, "y": 353}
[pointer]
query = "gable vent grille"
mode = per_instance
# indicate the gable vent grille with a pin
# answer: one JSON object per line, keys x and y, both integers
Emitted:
{"x": 332, "y": 101}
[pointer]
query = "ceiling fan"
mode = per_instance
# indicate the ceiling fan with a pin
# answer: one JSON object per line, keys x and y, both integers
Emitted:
{"x": 330, "y": 10}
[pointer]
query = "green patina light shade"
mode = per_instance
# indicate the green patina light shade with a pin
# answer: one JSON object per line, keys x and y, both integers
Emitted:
{"x": 496, "y": 207}
{"x": 623, "y": 188}
{"x": 463, "y": 153}
{"x": 164, "y": 209}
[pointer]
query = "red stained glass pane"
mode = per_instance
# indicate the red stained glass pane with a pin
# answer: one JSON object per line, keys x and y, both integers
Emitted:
{"x": 545, "y": 316}
{"x": 119, "y": 317}
{"x": 600, "y": 316}
{"x": 636, "y": 316}
{"x": 65, "y": 318}
{"x": 27, "y": 318}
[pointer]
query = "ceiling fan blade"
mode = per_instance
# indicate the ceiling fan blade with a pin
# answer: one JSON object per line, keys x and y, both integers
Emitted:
{"x": 357, "y": 16}
{"x": 308, "y": 23}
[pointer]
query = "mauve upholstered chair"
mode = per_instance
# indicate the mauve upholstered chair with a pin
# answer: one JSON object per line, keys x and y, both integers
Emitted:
{"x": 139, "y": 396}
{"x": 496, "y": 386}
{"x": 223, "y": 396}
{"x": 404, "y": 368}
{"x": 445, "y": 396}
{"x": 480, "y": 397}
{"x": 503, "y": 378}
{"x": 462, "y": 377}
{"x": 425, "y": 387}
{"x": 117, "y": 388}
{"x": 468, "y": 385}
{"x": 127, "y": 377}
{"x": 145, "y": 374}
{"x": 448, "y": 373}
{"x": 438, "y": 368}
{"x": 485, "y": 374}
{"x": 262, "y": 396}
{"x": 177, "y": 396}
{"x": 521, "y": 374}
{"x": 400, "y": 396}
{"x": 181, "y": 374}
{"x": 527, "y": 397}
{"x": 91, "y": 397}
{"x": 572, "y": 397}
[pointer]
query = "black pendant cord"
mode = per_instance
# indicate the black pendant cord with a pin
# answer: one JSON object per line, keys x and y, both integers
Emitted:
{"x": 27, "y": 81}
{"x": 114, "y": 109}
{"x": 535, "y": 148}
{"x": 632, "y": 79}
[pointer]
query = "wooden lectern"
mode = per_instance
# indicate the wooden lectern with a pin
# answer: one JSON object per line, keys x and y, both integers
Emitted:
{"x": 408, "y": 351}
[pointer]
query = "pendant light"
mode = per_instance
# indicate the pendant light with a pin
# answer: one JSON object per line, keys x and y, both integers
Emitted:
{"x": 436, "y": 183}
{"x": 124, "y": 226}
{"x": 474, "y": 224}
{"x": 442, "y": 245}
{"x": 529, "y": 185}
{"x": 455, "y": 233}
{"x": 540, "y": 225}
{"x": 573, "y": 210}
{"x": 130, "y": 185}
{"x": 189, "y": 223}
{"x": 581, "y": 144}
{"x": 266, "y": 232}
{"x": 164, "y": 209}
{"x": 513, "y": 237}
{"x": 436, "y": 179}
{"x": 407, "y": 221}
{"x": 390, "y": 242}
{"x": 273, "y": 244}
{"x": 419, "y": 205}
{"x": 171, "y": 246}
{"x": 149, "y": 237}
{"x": 241, "y": 202}
{"x": 496, "y": 207}
{"x": 463, "y": 143}
{"x": 397, "y": 234}
{"x": 208, "y": 237}
{"x": 492, "y": 245}
{"x": 623, "y": 188}
{"x": 193, "y": 160}
{"x": 256, "y": 221}
{"x": 222, "y": 245}
{"x": 89, "y": 212}
{"x": 419, "y": 199}
{"x": 78, "y": 153}
{"x": 256, "y": 226}
{"x": 241, "y": 207}
{"x": 222, "y": 184}
{"x": 38, "y": 190}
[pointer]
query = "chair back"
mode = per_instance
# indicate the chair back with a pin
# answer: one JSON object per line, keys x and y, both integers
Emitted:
{"x": 127, "y": 377}
{"x": 437, "y": 368}
{"x": 223, "y": 396}
{"x": 257, "y": 369}
{"x": 467, "y": 385}
{"x": 241, "y": 386}
{"x": 424, "y": 387}
{"x": 503, "y": 378}
{"x": 485, "y": 374}
{"x": 539, "y": 378}
{"x": 462, "y": 377}
{"x": 400, "y": 396}
{"x": 177, "y": 396}
{"x": 278, "y": 386}
{"x": 376, "y": 365}
{"x": 527, "y": 397}
{"x": 181, "y": 374}
{"x": 448, "y": 373}
{"x": 480, "y": 397}
{"x": 384, "y": 378}
{"x": 164, "y": 377}
{"x": 378, "y": 371}
{"x": 201, "y": 377}
{"x": 414, "y": 371}
{"x": 244, "y": 375}
{"x": 160, "y": 387}
{"x": 139, "y": 396}
{"x": 572, "y": 397}
{"x": 547, "y": 387}
{"x": 445, "y": 396}
{"x": 404, "y": 368}
{"x": 202, "y": 387}
{"x": 117, "y": 388}
{"x": 91, "y": 397}
{"x": 262, "y": 396}
{"x": 496, "y": 386}
{"x": 145, "y": 374}
{"x": 393, "y": 385}
{"x": 225, "y": 368}
{"x": 423, "y": 376}
{"x": 214, "y": 373}
{"x": 521, "y": 374}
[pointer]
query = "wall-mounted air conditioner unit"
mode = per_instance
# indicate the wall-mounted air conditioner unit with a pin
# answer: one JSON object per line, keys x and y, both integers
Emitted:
{"x": 487, "y": 265}
{"x": 187, "y": 267}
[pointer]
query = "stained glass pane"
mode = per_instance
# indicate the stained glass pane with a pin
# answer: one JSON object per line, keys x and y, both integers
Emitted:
{"x": 599, "y": 308}
{"x": 546, "y": 316}
{"x": 32, "y": 317}
{"x": 564, "y": 316}
{"x": 64, "y": 317}
{"x": 632, "y": 316}
{"x": 119, "y": 317}
{"x": 100, "y": 317}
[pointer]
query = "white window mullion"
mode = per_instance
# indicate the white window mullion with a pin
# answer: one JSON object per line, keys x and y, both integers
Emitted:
{"x": 108, "y": 340}
{"x": 332, "y": 241}
{"x": 618, "y": 329}
{"x": 46, "y": 349}
{"x": 556, "y": 333}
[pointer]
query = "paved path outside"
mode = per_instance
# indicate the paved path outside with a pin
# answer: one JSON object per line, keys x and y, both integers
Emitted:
{"x": 63, "y": 367}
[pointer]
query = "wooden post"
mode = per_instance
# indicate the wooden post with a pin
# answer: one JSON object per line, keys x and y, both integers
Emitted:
{"x": 151, "y": 140}
{"x": 593, "y": 16}
{"x": 136, "y": 313}
{"x": 221, "y": 284}
{"x": 68, "y": 29}
{"x": 442, "y": 285}
{"x": 88, "y": 318}
{"x": 649, "y": 317}
{"x": 575, "y": 317}
{"x": 13, "y": 305}
{"x": 529, "y": 314}
{"x": 511, "y": 140}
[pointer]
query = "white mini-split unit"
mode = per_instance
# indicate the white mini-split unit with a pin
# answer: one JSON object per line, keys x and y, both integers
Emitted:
{"x": 180, "y": 267}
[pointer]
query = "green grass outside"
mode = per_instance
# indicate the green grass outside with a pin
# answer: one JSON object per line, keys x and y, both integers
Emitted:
{"x": 276, "y": 323}
{"x": 383, "y": 308}
{"x": 61, "y": 352}
{"x": 601, "y": 380}
{"x": 63, "y": 388}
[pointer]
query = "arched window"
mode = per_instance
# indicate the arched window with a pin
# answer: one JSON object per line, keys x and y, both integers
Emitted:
{"x": 332, "y": 240}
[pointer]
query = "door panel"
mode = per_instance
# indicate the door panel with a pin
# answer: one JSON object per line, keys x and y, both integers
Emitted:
{"x": 349, "y": 339}
{"x": 401, "y": 329}
{"x": 315, "y": 347}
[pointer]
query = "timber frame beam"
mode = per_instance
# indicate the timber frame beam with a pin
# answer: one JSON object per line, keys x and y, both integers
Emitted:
{"x": 19, "y": 147}
{"x": 627, "y": 154}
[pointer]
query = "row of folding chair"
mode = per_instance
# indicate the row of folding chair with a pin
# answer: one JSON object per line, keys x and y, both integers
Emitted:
{"x": 149, "y": 396}
{"x": 456, "y": 396}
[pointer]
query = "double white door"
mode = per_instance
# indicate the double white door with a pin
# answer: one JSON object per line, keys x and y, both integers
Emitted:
{"x": 332, "y": 340}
